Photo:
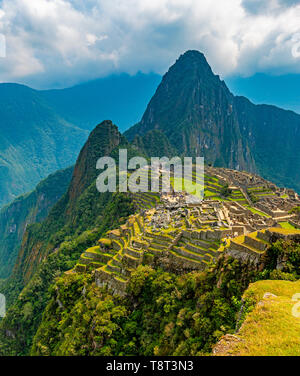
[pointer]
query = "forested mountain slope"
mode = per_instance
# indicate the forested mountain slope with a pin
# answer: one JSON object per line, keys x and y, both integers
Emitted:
{"x": 30, "y": 208}
{"x": 34, "y": 141}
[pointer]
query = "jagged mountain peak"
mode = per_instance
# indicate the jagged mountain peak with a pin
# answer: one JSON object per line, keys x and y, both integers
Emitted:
{"x": 192, "y": 56}
{"x": 195, "y": 110}
{"x": 103, "y": 124}
{"x": 193, "y": 60}
{"x": 102, "y": 140}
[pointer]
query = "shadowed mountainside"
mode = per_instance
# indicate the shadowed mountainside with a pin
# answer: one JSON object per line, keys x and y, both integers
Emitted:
{"x": 199, "y": 116}
{"x": 34, "y": 141}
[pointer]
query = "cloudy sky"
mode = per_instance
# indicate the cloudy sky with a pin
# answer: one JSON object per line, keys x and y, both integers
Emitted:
{"x": 57, "y": 43}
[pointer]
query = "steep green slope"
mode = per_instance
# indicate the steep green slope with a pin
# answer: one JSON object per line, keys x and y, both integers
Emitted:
{"x": 81, "y": 208}
{"x": 274, "y": 137}
{"x": 27, "y": 209}
{"x": 54, "y": 246}
{"x": 155, "y": 143}
{"x": 25, "y": 311}
{"x": 34, "y": 141}
{"x": 199, "y": 116}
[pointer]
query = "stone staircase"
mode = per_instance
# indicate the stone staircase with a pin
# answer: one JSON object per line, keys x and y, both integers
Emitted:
{"x": 124, "y": 249}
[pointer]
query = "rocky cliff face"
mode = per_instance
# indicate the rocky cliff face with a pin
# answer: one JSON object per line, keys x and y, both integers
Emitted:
{"x": 101, "y": 142}
{"x": 196, "y": 111}
{"x": 200, "y": 117}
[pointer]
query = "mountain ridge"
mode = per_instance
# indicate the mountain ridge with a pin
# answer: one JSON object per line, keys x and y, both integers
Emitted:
{"x": 35, "y": 125}
{"x": 31, "y": 141}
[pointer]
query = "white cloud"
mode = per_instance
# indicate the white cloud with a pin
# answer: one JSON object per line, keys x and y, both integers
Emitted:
{"x": 61, "y": 42}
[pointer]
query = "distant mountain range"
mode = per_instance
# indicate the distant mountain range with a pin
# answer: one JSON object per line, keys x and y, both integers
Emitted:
{"x": 121, "y": 98}
{"x": 264, "y": 88}
{"x": 197, "y": 114}
{"x": 34, "y": 140}
{"x": 43, "y": 131}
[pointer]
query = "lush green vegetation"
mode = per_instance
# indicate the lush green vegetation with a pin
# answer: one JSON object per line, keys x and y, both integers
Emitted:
{"x": 24, "y": 315}
{"x": 164, "y": 314}
{"x": 79, "y": 218}
{"x": 288, "y": 255}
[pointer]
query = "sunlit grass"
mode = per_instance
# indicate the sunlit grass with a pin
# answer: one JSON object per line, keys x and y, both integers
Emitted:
{"x": 270, "y": 329}
{"x": 287, "y": 226}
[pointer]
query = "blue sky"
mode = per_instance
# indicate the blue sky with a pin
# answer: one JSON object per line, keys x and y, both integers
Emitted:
{"x": 59, "y": 43}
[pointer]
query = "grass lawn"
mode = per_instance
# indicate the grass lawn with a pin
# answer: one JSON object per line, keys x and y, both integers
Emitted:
{"x": 256, "y": 211}
{"x": 287, "y": 225}
{"x": 188, "y": 186}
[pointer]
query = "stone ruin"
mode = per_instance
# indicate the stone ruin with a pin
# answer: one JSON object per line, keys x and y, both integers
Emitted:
{"x": 180, "y": 236}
